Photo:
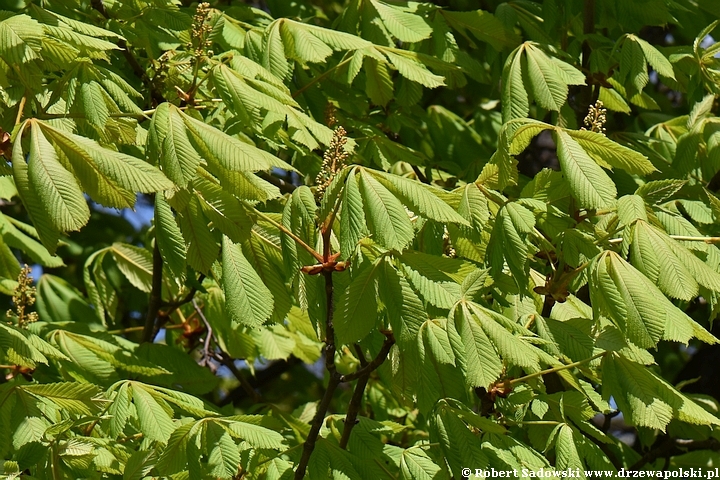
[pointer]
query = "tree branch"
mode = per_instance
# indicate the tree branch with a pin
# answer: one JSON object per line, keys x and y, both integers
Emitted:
{"x": 375, "y": 363}
{"x": 675, "y": 446}
{"x": 333, "y": 382}
{"x": 262, "y": 377}
{"x": 364, "y": 377}
{"x": 247, "y": 387}
{"x": 155, "y": 297}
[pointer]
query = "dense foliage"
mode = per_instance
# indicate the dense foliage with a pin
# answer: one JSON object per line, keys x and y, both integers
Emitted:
{"x": 388, "y": 240}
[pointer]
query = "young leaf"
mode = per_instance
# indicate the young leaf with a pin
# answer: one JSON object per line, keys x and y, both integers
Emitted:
{"x": 247, "y": 300}
{"x": 388, "y": 221}
{"x": 590, "y": 185}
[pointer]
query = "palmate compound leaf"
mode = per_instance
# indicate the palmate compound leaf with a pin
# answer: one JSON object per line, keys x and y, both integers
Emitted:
{"x": 247, "y": 300}
{"x": 675, "y": 270}
{"x": 645, "y": 398}
{"x": 418, "y": 198}
{"x": 548, "y": 79}
{"x": 460, "y": 446}
{"x": 637, "y": 306}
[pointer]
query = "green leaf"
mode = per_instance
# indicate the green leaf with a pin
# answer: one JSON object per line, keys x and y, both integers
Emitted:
{"x": 46, "y": 229}
{"x": 515, "y": 103}
{"x": 415, "y": 71}
{"x": 168, "y": 142}
{"x": 546, "y": 83}
{"x": 406, "y": 27}
{"x": 589, "y": 184}
{"x": 418, "y": 198}
{"x": 222, "y": 208}
{"x": 135, "y": 263}
{"x": 608, "y": 153}
{"x": 378, "y": 83}
{"x": 246, "y": 428}
{"x": 483, "y": 26}
{"x": 656, "y": 59}
{"x": 202, "y": 249}
{"x": 20, "y": 39}
{"x": 476, "y": 355}
{"x": 153, "y": 419}
{"x": 126, "y": 171}
{"x": 247, "y": 300}
{"x": 658, "y": 191}
{"x": 459, "y": 445}
{"x": 301, "y": 44}
{"x": 654, "y": 257}
{"x": 356, "y": 311}
{"x": 57, "y": 188}
{"x": 388, "y": 221}
{"x": 646, "y": 399}
{"x": 566, "y": 451}
{"x": 169, "y": 237}
{"x": 352, "y": 216}
{"x": 224, "y": 457}
{"x": 416, "y": 465}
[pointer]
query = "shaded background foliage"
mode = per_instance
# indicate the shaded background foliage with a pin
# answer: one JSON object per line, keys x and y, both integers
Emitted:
{"x": 413, "y": 214}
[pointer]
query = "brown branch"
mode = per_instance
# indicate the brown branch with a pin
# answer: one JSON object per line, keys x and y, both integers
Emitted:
{"x": 375, "y": 363}
{"x": 149, "y": 331}
{"x": 285, "y": 187}
{"x": 247, "y": 387}
{"x": 333, "y": 382}
{"x": 261, "y": 378}
{"x": 179, "y": 303}
{"x": 353, "y": 410}
{"x": 364, "y": 372}
{"x": 675, "y": 446}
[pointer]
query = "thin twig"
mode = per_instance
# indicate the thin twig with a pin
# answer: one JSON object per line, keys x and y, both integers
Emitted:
{"x": 515, "y": 381}
{"x": 21, "y": 108}
{"x": 186, "y": 299}
{"x": 290, "y": 234}
{"x": 206, "y": 355}
{"x": 319, "y": 78}
{"x": 682, "y": 238}
{"x": 374, "y": 364}
{"x": 226, "y": 360}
